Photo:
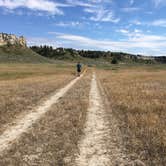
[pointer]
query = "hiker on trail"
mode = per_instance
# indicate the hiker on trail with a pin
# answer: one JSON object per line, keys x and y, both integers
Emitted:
{"x": 79, "y": 67}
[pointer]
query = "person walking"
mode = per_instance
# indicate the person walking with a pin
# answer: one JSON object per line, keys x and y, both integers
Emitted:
{"x": 79, "y": 68}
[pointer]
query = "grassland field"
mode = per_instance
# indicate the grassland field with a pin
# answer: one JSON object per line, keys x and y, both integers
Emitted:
{"x": 22, "y": 86}
{"x": 136, "y": 96}
{"x": 53, "y": 139}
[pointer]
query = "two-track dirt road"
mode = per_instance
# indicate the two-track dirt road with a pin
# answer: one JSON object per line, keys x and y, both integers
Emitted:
{"x": 76, "y": 134}
{"x": 101, "y": 144}
{"x": 22, "y": 125}
{"x": 93, "y": 150}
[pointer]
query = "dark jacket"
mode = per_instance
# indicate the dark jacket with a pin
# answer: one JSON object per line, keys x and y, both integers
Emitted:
{"x": 79, "y": 67}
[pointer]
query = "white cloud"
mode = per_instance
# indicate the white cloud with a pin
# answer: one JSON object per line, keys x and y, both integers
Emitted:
{"x": 101, "y": 11}
{"x": 135, "y": 42}
{"x": 131, "y": 2}
{"x": 100, "y": 1}
{"x": 123, "y": 31}
{"x": 98, "y": 8}
{"x": 158, "y": 3}
{"x": 42, "y": 41}
{"x": 36, "y": 5}
{"x": 69, "y": 24}
{"x": 138, "y": 31}
{"x": 137, "y": 35}
{"x": 136, "y": 22}
{"x": 131, "y": 9}
{"x": 78, "y": 3}
{"x": 102, "y": 15}
{"x": 157, "y": 23}
{"x": 90, "y": 10}
{"x": 160, "y": 22}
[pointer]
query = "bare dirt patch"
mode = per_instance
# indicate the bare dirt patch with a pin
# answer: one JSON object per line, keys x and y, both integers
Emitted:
{"x": 93, "y": 150}
{"x": 101, "y": 144}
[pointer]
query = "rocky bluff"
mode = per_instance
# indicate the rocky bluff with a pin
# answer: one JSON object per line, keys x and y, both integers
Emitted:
{"x": 11, "y": 39}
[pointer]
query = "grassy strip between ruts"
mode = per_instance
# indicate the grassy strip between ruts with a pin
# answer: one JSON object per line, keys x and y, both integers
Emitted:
{"x": 53, "y": 139}
{"x": 138, "y": 102}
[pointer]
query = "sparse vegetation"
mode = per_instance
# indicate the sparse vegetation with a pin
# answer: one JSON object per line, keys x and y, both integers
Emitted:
{"x": 23, "y": 86}
{"x": 137, "y": 98}
{"x": 114, "y": 61}
{"x": 17, "y": 54}
{"x": 53, "y": 139}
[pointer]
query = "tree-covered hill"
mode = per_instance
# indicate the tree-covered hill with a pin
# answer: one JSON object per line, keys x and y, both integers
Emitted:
{"x": 85, "y": 55}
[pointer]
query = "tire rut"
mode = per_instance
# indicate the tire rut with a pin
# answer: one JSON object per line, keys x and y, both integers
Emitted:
{"x": 93, "y": 147}
{"x": 10, "y": 135}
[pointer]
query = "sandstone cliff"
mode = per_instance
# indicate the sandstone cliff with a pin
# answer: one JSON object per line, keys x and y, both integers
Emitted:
{"x": 12, "y": 40}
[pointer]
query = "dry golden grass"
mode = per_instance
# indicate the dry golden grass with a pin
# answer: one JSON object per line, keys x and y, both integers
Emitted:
{"x": 138, "y": 101}
{"x": 22, "y": 91}
{"x": 53, "y": 139}
{"x": 16, "y": 71}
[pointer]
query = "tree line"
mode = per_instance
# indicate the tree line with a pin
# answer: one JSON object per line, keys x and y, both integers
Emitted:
{"x": 73, "y": 54}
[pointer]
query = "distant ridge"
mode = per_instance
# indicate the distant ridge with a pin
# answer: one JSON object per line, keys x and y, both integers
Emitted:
{"x": 100, "y": 56}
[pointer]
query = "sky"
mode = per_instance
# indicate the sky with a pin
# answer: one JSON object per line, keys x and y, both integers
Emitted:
{"x": 133, "y": 26}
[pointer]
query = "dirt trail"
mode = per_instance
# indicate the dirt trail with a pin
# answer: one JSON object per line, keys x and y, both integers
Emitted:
{"x": 102, "y": 143}
{"x": 22, "y": 125}
{"x": 93, "y": 149}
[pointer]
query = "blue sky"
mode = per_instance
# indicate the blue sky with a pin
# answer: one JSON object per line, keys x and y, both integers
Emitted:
{"x": 134, "y": 26}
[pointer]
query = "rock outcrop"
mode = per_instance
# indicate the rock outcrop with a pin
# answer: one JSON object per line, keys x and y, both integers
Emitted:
{"x": 11, "y": 39}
